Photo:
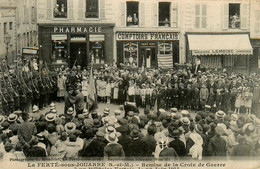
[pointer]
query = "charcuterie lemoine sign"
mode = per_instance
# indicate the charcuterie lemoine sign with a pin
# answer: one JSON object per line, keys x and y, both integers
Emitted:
{"x": 222, "y": 52}
{"x": 129, "y": 36}
{"x": 77, "y": 29}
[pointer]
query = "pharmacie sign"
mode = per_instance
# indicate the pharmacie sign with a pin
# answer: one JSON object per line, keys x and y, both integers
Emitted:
{"x": 130, "y": 36}
{"x": 77, "y": 29}
{"x": 222, "y": 52}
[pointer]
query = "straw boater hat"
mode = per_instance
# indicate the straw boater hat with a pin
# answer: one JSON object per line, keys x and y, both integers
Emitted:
{"x": 185, "y": 121}
{"x": 18, "y": 112}
{"x": 117, "y": 112}
{"x": 110, "y": 129}
{"x": 219, "y": 130}
{"x": 70, "y": 127}
{"x": 52, "y": 106}
{"x": 173, "y": 110}
{"x": 50, "y": 117}
{"x": 12, "y": 117}
{"x": 85, "y": 112}
{"x": 106, "y": 111}
{"x": 35, "y": 108}
{"x": 185, "y": 113}
{"x": 234, "y": 117}
{"x": 70, "y": 111}
{"x": 208, "y": 106}
{"x": 220, "y": 114}
{"x": 112, "y": 138}
{"x": 54, "y": 111}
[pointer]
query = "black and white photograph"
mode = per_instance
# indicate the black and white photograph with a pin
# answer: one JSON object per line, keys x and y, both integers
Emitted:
{"x": 130, "y": 84}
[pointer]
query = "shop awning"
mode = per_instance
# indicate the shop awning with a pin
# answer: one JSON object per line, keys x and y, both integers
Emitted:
{"x": 220, "y": 45}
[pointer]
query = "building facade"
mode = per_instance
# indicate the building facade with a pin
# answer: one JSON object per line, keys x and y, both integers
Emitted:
{"x": 149, "y": 33}
{"x": 255, "y": 35}
{"x": 217, "y": 33}
{"x": 76, "y": 32}
{"x": 17, "y": 18}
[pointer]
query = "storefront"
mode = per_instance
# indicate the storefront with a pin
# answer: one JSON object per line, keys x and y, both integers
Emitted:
{"x": 76, "y": 44}
{"x": 148, "y": 49}
{"x": 230, "y": 51}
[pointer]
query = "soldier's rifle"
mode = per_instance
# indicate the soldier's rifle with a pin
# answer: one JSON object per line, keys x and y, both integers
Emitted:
{"x": 4, "y": 99}
{"x": 31, "y": 77}
{"x": 23, "y": 82}
{"x": 49, "y": 77}
{"x": 6, "y": 84}
{"x": 10, "y": 82}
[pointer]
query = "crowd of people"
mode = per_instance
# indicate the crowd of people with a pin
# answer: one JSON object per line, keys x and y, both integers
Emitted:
{"x": 186, "y": 114}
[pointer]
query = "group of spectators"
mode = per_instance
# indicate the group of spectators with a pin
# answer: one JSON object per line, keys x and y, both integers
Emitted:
{"x": 129, "y": 134}
{"x": 186, "y": 115}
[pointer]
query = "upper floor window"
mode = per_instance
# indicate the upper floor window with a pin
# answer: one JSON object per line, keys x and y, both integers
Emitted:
{"x": 10, "y": 25}
{"x": 60, "y": 9}
{"x": 200, "y": 15}
{"x": 164, "y": 13}
{"x": 92, "y": 9}
{"x": 234, "y": 16}
{"x": 132, "y": 13}
{"x": 5, "y": 28}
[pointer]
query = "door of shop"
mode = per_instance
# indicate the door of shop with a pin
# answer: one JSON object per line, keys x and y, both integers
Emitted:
{"x": 148, "y": 57}
{"x": 78, "y": 54}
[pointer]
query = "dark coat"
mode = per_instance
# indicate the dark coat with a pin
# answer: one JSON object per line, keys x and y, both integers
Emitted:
{"x": 169, "y": 152}
{"x": 114, "y": 150}
{"x": 150, "y": 143}
{"x": 125, "y": 140}
{"x": 136, "y": 148}
{"x": 178, "y": 146}
{"x": 36, "y": 151}
{"x": 217, "y": 146}
{"x": 95, "y": 149}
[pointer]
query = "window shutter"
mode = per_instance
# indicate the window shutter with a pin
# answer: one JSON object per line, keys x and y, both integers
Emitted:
{"x": 225, "y": 16}
{"x": 197, "y": 15}
{"x": 70, "y": 9}
{"x": 244, "y": 16}
{"x": 80, "y": 9}
{"x": 142, "y": 14}
{"x": 174, "y": 15}
{"x": 102, "y": 9}
{"x": 18, "y": 14}
{"x": 123, "y": 15}
{"x": 49, "y": 9}
{"x": 24, "y": 13}
{"x": 155, "y": 14}
{"x": 204, "y": 16}
{"x": 257, "y": 21}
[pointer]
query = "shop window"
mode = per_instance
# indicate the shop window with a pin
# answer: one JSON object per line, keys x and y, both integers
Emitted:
{"x": 131, "y": 54}
{"x": 132, "y": 13}
{"x": 97, "y": 48}
{"x": 234, "y": 16}
{"x": 164, "y": 14}
{"x": 92, "y": 9}
{"x": 60, "y": 9}
{"x": 165, "y": 48}
{"x": 59, "y": 47}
